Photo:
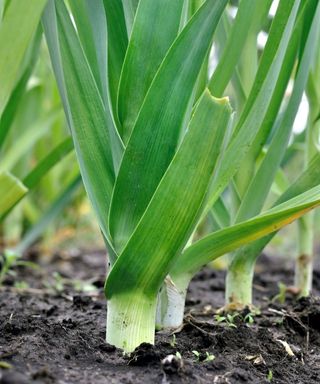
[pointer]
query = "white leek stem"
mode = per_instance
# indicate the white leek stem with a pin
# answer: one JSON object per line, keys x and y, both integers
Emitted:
{"x": 304, "y": 262}
{"x": 131, "y": 320}
{"x": 239, "y": 286}
{"x": 171, "y": 302}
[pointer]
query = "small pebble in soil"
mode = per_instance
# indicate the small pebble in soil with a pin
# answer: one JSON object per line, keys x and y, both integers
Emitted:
{"x": 144, "y": 354}
{"x": 172, "y": 364}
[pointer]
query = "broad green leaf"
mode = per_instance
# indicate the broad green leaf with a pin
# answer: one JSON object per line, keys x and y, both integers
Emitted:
{"x": 221, "y": 242}
{"x": 169, "y": 219}
{"x": 238, "y": 35}
{"x": 259, "y": 188}
{"x": 149, "y": 43}
{"x": 244, "y": 137}
{"x": 117, "y": 46}
{"x": 90, "y": 20}
{"x": 11, "y": 191}
{"x": 90, "y": 124}
{"x": 22, "y": 16}
{"x": 155, "y": 136}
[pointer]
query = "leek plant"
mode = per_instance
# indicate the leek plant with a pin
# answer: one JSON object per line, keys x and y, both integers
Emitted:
{"x": 259, "y": 168}
{"x": 12, "y": 58}
{"x": 305, "y": 257}
{"x": 305, "y": 36}
{"x": 157, "y": 142}
{"x": 31, "y": 122}
{"x": 19, "y": 107}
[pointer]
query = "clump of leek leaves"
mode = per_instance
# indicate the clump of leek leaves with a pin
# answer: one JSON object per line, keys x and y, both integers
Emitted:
{"x": 157, "y": 145}
{"x": 24, "y": 132}
{"x": 254, "y": 181}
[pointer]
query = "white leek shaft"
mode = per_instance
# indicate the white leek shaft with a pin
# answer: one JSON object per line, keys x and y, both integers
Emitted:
{"x": 130, "y": 320}
{"x": 170, "y": 308}
{"x": 304, "y": 262}
{"x": 239, "y": 286}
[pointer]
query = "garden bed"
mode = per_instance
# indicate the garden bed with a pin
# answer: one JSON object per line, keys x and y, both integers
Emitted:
{"x": 52, "y": 333}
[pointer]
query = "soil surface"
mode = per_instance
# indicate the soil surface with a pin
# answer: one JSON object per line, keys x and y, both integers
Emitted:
{"x": 52, "y": 330}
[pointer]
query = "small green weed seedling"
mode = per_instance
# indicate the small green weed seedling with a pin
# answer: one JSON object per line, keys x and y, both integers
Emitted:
{"x": 203, "y": 358}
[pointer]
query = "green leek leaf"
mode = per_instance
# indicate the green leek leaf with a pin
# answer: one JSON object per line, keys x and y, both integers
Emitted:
{"x": 89, "y": 121}
{"x": 117, "y": 47}
{"x": 149, "y": 43}
{"x": 238, "y": 35}
{"x": 221, "y": 242}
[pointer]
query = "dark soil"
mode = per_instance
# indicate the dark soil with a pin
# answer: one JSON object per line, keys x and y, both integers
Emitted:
{"x": 52, "y": 333}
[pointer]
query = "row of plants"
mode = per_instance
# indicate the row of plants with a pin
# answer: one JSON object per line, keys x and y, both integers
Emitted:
{"x": 182, "y": 126}
{"x": 38, "y": 172}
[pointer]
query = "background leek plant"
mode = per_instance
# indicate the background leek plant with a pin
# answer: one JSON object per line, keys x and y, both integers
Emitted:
{"x": 305, "y": 256}
{"x": 159, "y": 149}
{"x": 251, "y": 187}
{"x": 33, "y": 136}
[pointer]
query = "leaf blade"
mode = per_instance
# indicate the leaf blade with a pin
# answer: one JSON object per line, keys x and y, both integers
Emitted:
{"x": 228, "y": 239}
{"x": 88, "y": 121}
{"x": 148, "y": 45}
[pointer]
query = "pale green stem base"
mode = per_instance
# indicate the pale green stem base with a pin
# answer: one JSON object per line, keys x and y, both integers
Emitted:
{"x": 239, "y": 286}
{"x": 170, "y": 306}
{"x": 131, "y": 320}
{"x": 304, "y": 261}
